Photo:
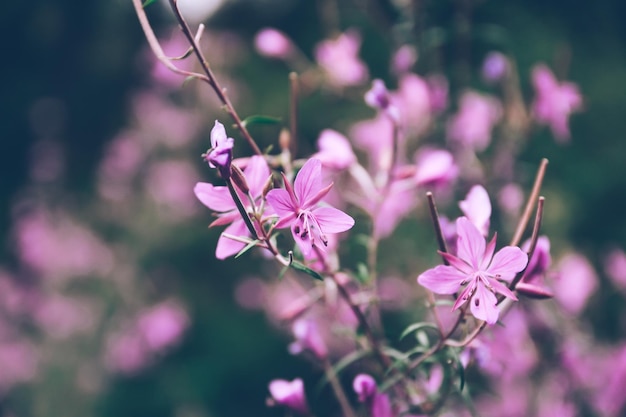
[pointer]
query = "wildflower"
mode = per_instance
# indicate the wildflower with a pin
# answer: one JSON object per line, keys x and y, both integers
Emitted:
{"x": 378, "y": 97}
{"x": 309, "y": 338}
{"x": 289, "y": 394}
{"x": 554, "y": 101}
{"x": 367, "y": 391}
{"x": 478, "y": 269}
{"x": 339, "y": 59}
{"x": 434, "y": 167}
{"x": 473, "y": 123}
{"x": 220, "y": 200}
{"x": 335, "y": 150}
{"x": 298, "y": 207}
{"x": 273, "y": 43}
{"x": 495, "y": 67}
{"x": 221, "y": 153}
{"x": 531, "y": 284}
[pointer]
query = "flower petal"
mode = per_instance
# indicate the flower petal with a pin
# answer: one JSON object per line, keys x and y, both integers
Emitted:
{"x": 215, "y": 198}
{"x": 332, "y": 220}
{"x": 507, "y": 262}
{"x": 442, "y": 279}
{"x": 281, "y": 202}
{"x": 491, "y": 247}
{"x": 228, "y": 247}
{"x": 256, "y": 173}
{"x": 500, "y": 288}
{"x": 218, "y": 135}
{"x": 477, "y": 208}
{"x": 483, "y": 305}
{"x": 470, "y": 242}
{"x": 308, "y": 181}
{"x": 459, "y": 264}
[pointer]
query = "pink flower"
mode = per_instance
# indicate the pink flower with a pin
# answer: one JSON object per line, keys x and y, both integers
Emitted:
{"x": 477, "y": 208}
{"x": 334, "y": 150}
{"x": 339, "y": 59}
{"x": 378, "y": 97}
{"x": 473, "y": 123}
{"x": 308, "y": 338}
{"x": 273, "y": 43}
{"x": 221, "y": 153}
{"x": 289, "y": 394}
{"x": 434, "y": 167}
{"x": 576, "y": 282}
{"x": 367, "y": 391}
{"x": 298, "y": 207}
{"x": 495, "y": 67}
{"x": 615, "y": 267}
{"x": 554, "y": 101}
{"x": 220, "y": 200}
{"x": 477, "y": 268}
{"x": 403, "y": 59}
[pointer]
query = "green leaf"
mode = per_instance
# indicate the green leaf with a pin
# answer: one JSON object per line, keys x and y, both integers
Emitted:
{"x": 147, "y": 3}
{"x": 418, "y": 326}
{"x": 362, "y": 274}
{"x": 247, "y": 248}
{"x": 303, "y": 268}
{"x": 260, "y": 120}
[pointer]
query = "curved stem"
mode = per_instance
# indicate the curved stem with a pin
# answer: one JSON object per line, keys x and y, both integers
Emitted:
{"x": 530, "y": 204}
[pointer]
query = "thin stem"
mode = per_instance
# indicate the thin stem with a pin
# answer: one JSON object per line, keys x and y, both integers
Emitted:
{"x": 210, "y": 78}
{"x": 530, "y": 204}
{"x": 533, "y": 240}
{"x": 434, "y": 215}
{"x": 346, "y": 408}
{"x": 242, "y": 210}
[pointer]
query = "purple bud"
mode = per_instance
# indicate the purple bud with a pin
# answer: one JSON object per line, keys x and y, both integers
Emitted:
{"x": 289, "y": 394}
{"x": 495, "y": 67}
{"x": 365, "y": 387}
{"x": 221, "y": 153}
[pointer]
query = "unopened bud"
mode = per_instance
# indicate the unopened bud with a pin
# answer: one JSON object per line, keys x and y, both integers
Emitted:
{"x": 269, "y": 185}
{"x": 533, "y": 291}
{"x": 239, "y": 178}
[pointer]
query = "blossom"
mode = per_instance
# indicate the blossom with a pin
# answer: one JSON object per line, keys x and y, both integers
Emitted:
{"x": 298, "y": 207}
{"x": 554, "y": 101}
{"x": 478, "y": 269}
{"x": 221, "y": 153}
{"x": 575, "y": 283}
{"x": 367, "y": 391}
{"x": 473, "y": 123}
{"x": 334, "y": 150}
{"x": 219, "y": 199}
{"x": 495, "y": 67}
{"x": 378, "y": 97}
{"x": 273, "y": 43}
{"x": 339, "y": 59}
{"x": 309, "y": 338}
{"x": 289, "y": 394}
{"x": 434, "y": 167}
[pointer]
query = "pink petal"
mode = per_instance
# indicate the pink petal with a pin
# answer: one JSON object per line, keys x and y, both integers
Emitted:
{"x": 281, "y": 202}
{"x": 502, "y": 289}
{"x": 307, "y": 183}
{"x": 465, "y": 295}
{"x": 470, "y": 242}
{"x": 483, "y": 305}
{"x": 491, "y": 247}
{"x": 257, "y": 172}
{"x": 459, "y": 264}
{"x": 477, "y": 208}
{"x": 442, "y": 279}
{"x": 332, "y": 220}
{"x": 228, "y": 247}
{"x": 218, "y": 135}
{"x": 507, "y": 262}
{"x": 215, "y": 198}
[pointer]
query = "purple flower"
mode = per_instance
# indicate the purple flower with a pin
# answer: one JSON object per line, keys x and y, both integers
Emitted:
{"x": 221, "y": 153}
{"x": 378, "y": 97}
{"x": 478, "y": 269}
{"x": 289, "y": 394}
{"x": 471, "y": 126}
{"x": 495, "y": 67}
{"x": 220, "y": 200}
{"x": 298, "y": 207}
{"x": 273, "y": 43}
{"x": 367, "y": 391}
{"x": 339, "y": 59}
{"x": 434, "y": 167}
{"x": 554, "y": 101}
{"x": 308, "y": 337}
{"x": 334, "y": 150}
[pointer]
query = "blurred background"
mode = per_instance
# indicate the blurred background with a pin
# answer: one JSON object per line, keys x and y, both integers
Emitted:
{"x": 111, "y": 300}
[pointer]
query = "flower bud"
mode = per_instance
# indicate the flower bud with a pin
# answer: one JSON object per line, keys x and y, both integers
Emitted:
{"x": 289, "y": 394}
{"x": 239, "y": 179}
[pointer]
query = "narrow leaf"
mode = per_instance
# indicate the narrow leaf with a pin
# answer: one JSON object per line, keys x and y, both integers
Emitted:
{"x": 418, "y": 326}
{"x": 147, "y": 3}
{"x": 247, "y": 248}
{"x": 260, "y": 120}
{"x": 303, "y": 268}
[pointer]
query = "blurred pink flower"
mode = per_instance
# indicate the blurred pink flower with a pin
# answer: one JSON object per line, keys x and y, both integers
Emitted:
{"x": 511, "y": 198}
{"x": 122, "y": 159}
{"x": 378, "y": 403}
{"x": 335, "y": 150}
{"x": 308, "y": 338}
{"x": 218, "y": 198}
{"x": 532, "y": 283}
{"x": 471, "y": 126}
{"x": 169, "y": 183}
{"x": 61, "y": 317}
{"x": 554, "y": 101}
{"x": 289, "y": 394}
{"x": 162, "y": 325}
{"x": 615, "y": 267}
{"x": 273, "y": 43}
{"x": 495, "y": 67}
{"x": 413, "y": 100}
{"x": 438, "y": 92}
{"x": 477, "y": 267}
{"x": 374, "y": 136}
{"x": 434, "y": 167}
{"x": 298, "y": 207}
{"x": 403, "y": 59}
{"x": 378, "y": 97}
{"x": 339, "y": 59}
{"x": 477, "y": 208}
{"x": 575, "y": 283}
{"x": 19, "y": 361}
